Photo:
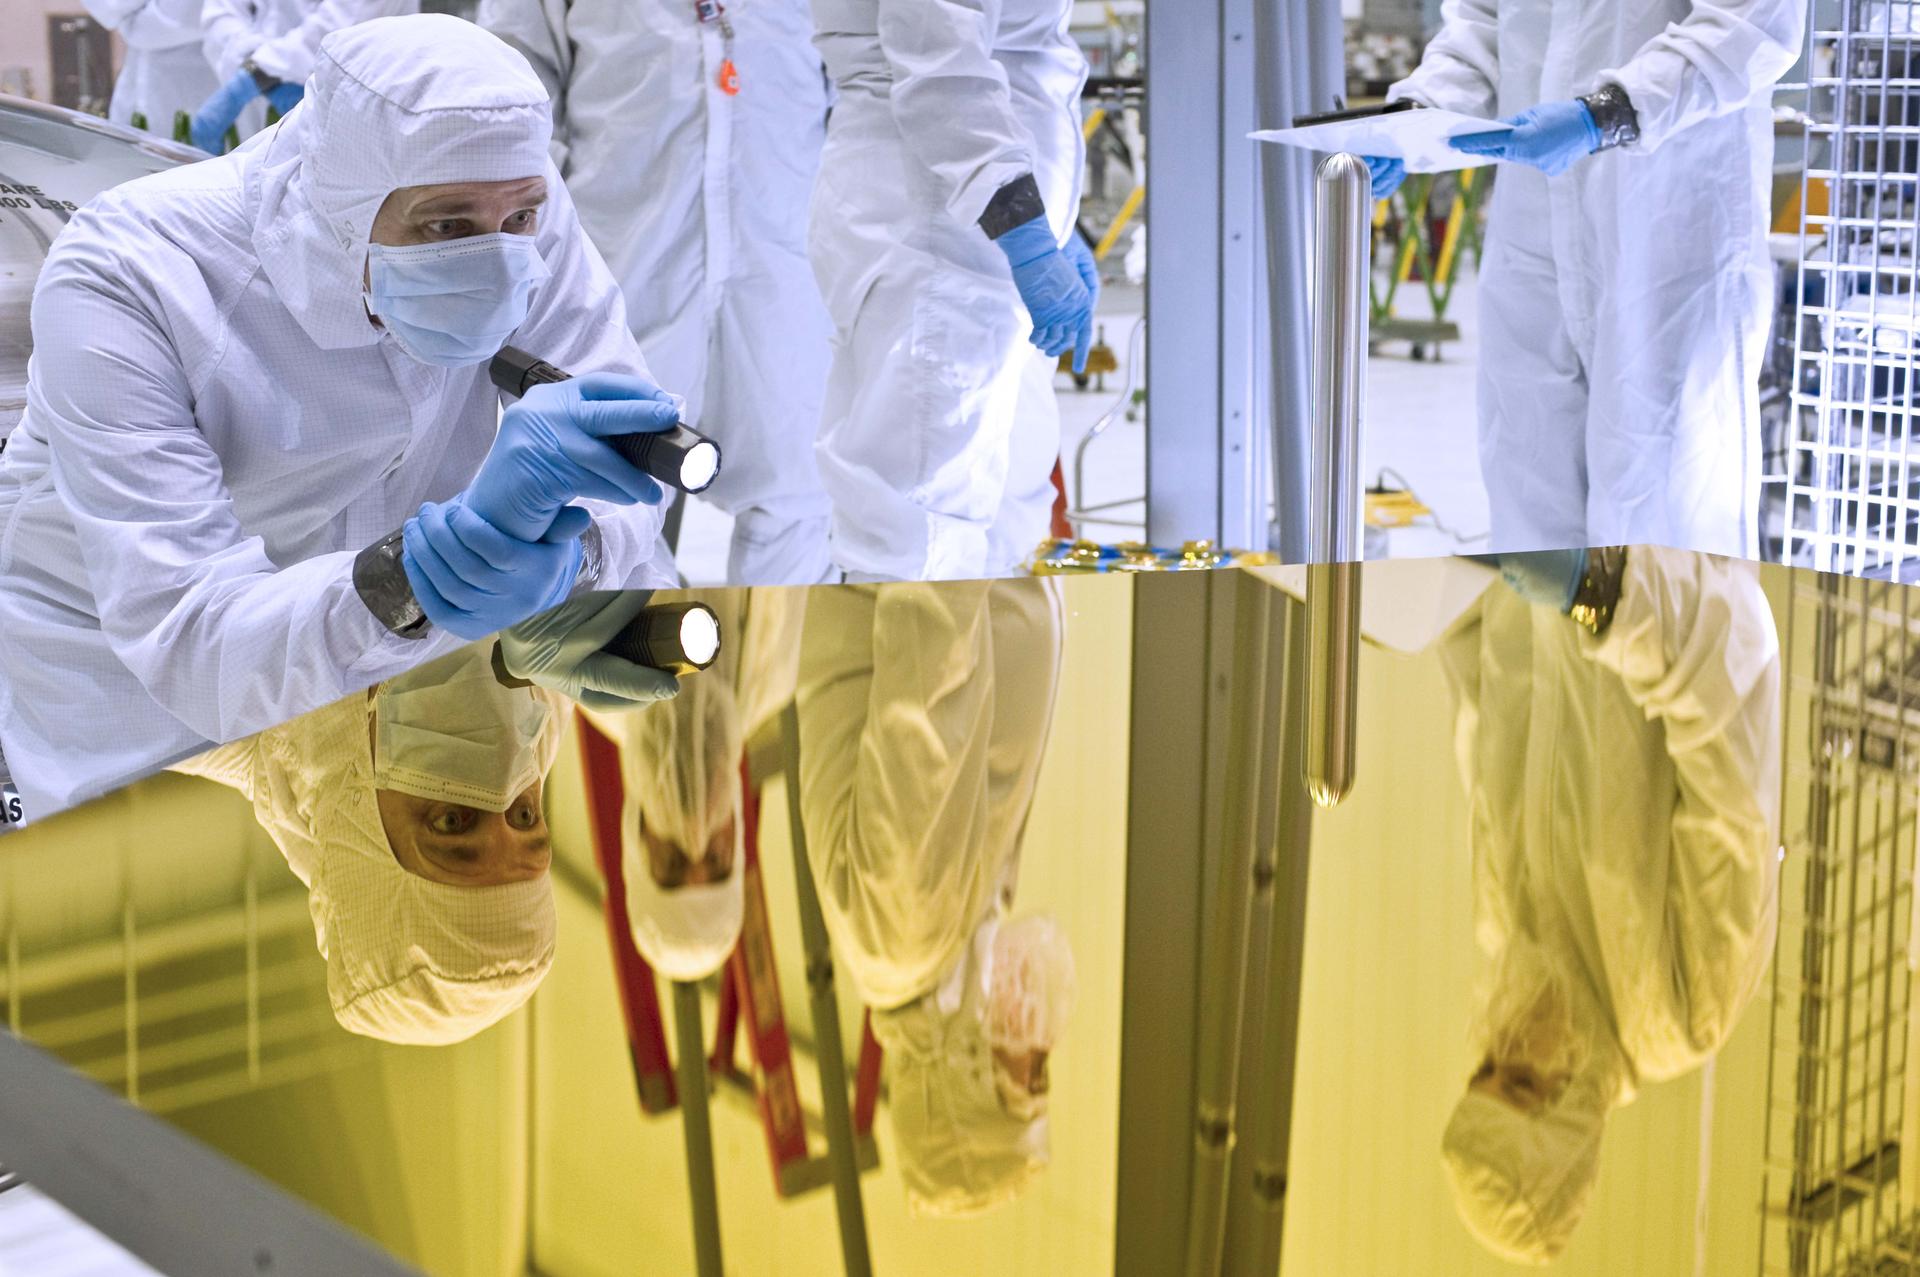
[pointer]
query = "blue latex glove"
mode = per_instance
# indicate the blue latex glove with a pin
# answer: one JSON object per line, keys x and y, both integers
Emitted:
{"x": 1388, "y": 172}
{"x": 286, "y": 95}
{"x": 560, "y": 650}
{"x": 549, "y": 451}
{"x": 471, "y": 579}
{"x": 1550, "y": 137}
{"x": 1056, "y": 296}
{"x": 219, "y": 112}
{"x": 1548, "y": 577}
{"x": 1080, "y": 253}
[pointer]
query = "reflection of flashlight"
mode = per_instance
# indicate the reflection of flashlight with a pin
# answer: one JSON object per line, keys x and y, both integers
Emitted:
{"x": 681, "y": 458}
{"x": 677, "y": 637}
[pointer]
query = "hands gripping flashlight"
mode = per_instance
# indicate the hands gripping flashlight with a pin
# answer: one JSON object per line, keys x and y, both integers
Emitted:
{"x": 681, "y": 457}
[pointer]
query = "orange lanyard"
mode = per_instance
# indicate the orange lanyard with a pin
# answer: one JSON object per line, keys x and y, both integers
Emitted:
{"x": 712, "y": 12}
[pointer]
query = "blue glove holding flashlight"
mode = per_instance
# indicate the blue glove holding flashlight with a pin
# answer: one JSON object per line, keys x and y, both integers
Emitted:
{"x": 471, "y": 579}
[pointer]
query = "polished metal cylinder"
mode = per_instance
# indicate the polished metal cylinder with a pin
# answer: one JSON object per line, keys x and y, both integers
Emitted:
{"x": 1342, "y": 242}
{"x": 1342, "y": 237}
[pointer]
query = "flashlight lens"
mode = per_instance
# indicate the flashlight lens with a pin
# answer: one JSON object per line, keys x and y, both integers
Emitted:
{"x": 698, "y": 466}
{"x": 699, "y": 636}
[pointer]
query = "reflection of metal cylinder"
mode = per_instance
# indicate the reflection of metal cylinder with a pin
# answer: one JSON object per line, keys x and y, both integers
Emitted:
{"x": 1342, "y": 191}
{"x": 1333, "y": 677}
{"x": 677, "y": 637}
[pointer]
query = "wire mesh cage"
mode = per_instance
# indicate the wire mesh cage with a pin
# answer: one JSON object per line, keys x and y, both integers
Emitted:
{"x": 1852, "y": 481}
{"x": 1838, "y": 1115}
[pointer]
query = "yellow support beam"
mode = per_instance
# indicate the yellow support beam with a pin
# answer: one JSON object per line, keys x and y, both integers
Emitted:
{"x": 1126, "y": 214}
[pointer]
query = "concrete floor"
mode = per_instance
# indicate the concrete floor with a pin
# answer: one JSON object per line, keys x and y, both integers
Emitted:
{"x": 1419, "y": 424}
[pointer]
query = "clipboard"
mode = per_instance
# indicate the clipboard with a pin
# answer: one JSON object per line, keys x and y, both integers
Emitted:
{"x": 1398, "y": 130}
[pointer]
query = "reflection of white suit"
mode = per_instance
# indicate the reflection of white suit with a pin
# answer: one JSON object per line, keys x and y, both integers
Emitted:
{"x": 924, "y": 711}
{"x": 1624, "y": 794}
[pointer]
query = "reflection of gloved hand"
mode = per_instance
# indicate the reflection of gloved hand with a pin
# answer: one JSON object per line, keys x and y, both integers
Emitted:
{"x": 472, "y": 579}
{"x": 549, "y": 451}
{"x": 1388, "y": 172}
{"x": 1550, "y": 578}
{"x": 1550, "y": 137}
{"x": 1056, "y": 296}
{"x": 560, "y": 651}
{"x": 286, "y": 95}
{"x": 1080, "y": 253}
{"x": 220, "y": 111}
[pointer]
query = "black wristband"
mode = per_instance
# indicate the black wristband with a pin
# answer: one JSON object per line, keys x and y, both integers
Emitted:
{"x": 1015, "y": 204}
{"x": 1613, "y": 115}
{"x": 380, "y": 578}
{"x": 1599, "y": 592}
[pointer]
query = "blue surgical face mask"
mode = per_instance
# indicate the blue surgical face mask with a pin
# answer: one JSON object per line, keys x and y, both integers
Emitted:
{"x": 457, "y": 302}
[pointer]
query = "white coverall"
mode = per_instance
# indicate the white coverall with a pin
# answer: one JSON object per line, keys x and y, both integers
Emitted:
{"x": 697, "y": 200}
{"x": 940, "y": 431}
{"x": 1624, "y": 305}
{"x": 214, "y": 429}
{"x": 281, "y": 36}
{"x": 165, "y": 71}
{"x": 924, "y": 710}
{"x": 1624, "y": 798}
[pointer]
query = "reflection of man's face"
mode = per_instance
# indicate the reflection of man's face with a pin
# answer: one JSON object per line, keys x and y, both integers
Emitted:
{"x": 1021, "y": 1079}
{"x": 464, "y": 846}
{"x": 672, "y": 867}
{"x": 1518, "y": 1085}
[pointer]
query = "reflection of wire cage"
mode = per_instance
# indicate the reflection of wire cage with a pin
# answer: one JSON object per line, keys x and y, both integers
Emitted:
{"x": 1853, "y": 479}
{"x": 178, "y": 1007}
{"x": 1841, "y": 982}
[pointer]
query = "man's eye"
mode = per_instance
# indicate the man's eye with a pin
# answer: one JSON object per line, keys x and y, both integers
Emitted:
{"x": 447, "y": 226}
{"x": 453, "y": 820}
{"x": 523, "y": 220}
{"x": 523, "y": 816}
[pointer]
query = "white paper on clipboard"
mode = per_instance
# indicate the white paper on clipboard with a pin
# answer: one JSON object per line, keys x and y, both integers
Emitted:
{"x": 1405, "y": 604}
{"x": 1418, "y": 136}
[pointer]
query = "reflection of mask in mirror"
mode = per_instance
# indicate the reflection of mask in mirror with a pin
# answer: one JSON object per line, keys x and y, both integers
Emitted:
{"x": 1527, "y": 1014}
{"x": 450, "y": 732}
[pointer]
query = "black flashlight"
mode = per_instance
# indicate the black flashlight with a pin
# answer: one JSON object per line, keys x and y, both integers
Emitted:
{"x": 680, "y": 458}
{"x": 680, "y": 638}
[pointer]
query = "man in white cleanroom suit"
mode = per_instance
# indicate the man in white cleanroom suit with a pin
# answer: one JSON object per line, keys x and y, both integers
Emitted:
{"x": 681, "y": 826}
{"x": 924, "y": 711}
{"x": 165, "y": 71}
{"x": 1626, "y": 879}
{"x": 1625, "y": 302}
{"x": 942, "y": 233}
{"x": 199, "y": 510}
{"x": 690, "y": 147}
{"x": 412, "y": 812}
